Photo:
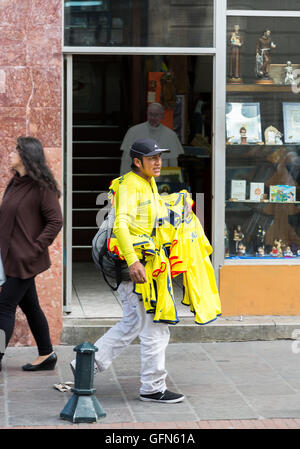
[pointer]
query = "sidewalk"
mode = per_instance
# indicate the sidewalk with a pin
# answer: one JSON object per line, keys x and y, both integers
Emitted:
{"x": 231, "y": 385}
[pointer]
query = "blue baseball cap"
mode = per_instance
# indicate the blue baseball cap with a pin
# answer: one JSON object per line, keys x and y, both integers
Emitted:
{"x": 146, "y": 147}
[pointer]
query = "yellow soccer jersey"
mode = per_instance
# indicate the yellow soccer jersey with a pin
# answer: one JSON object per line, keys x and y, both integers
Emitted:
{"x": 137, "y": 206}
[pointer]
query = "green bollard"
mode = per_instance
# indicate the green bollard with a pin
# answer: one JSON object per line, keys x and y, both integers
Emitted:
{"x": 83, "y": 406}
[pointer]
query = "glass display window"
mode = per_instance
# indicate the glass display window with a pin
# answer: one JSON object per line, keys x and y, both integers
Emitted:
{"x": 287, "y": 5}
{"x": 262, "y": 210}
{"x": 145, "y": 23}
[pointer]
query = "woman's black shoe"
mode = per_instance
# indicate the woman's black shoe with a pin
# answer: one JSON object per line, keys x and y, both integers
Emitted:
{"x": 47, "y": 364}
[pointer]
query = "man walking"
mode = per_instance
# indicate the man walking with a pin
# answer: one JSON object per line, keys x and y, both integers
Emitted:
{"x": 136, "y": 203}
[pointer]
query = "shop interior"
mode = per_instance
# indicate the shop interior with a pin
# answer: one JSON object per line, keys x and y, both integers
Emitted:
{"x": 111, "y": 94}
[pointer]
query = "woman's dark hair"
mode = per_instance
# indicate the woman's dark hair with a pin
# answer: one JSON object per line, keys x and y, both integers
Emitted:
{"x": 32, "y": 154}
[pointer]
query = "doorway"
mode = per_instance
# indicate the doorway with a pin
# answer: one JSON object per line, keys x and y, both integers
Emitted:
{"x": 111, "y": 94}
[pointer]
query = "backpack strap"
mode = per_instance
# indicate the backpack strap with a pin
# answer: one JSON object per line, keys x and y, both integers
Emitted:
{"x": 103, "y": 250}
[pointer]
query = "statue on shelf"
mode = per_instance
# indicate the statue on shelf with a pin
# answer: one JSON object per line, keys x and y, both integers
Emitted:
{"x": 259, "y": 237}
{"x": 236, "y": 42}
{"x": 273, "y": 136}
{"x": 226, "y": 242}
{"x": 260, "y": 251}
{"x": 241, "y": 250}
{"x": 237, "y": 236}
{"x": 289, "y": 76}
{"x": 264, "y": 46}
{"x": 288, "y": 252}
{"x": 243, "y": 134}
{"x": 278, "y": 245}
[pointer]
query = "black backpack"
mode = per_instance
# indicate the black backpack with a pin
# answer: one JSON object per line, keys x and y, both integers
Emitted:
{"x": 109, "y": 264}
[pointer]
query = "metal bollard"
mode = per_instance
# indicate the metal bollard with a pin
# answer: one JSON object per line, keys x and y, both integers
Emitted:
{"x": 83, "y": 406}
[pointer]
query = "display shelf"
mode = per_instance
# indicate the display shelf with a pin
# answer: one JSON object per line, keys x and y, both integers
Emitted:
{"x": 261, "y": 145}
{"x": 262, "y": 260}
{"x": 258, "y": 88}
{"x": 261, "y": 202}
{"x": 251, "y": 226}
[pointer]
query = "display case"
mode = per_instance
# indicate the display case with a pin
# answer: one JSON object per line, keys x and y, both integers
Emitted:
{"x": 262, "y": 204}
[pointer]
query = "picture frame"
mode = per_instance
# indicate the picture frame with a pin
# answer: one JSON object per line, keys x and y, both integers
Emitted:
{"x": 167, "y": 188}
{"x": 170, "y": 174}
{"x": 238, "y": 189}
{"x": 170, "y": 180}
{"x": 291, "y": 122}
{"x": 282, "y": 194}
{"x": 257, "y": 190}
{"x": 243, "y": 123}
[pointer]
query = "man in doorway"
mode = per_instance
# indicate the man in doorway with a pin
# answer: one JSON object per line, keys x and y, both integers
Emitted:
{"x": 153, "y": 129}
{"x": 137, "y": 210}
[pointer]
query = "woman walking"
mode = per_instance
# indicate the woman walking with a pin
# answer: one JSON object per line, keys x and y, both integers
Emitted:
{"x": 30, "y": 219}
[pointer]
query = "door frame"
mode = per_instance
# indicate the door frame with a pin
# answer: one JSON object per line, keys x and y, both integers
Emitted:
{"x": 218, "y": 52}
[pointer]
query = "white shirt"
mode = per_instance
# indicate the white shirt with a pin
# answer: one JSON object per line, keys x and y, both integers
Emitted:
{"x": 164, "y": 136}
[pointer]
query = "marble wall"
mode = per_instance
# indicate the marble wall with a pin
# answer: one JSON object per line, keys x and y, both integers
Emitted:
{"x": 31, "y": 104}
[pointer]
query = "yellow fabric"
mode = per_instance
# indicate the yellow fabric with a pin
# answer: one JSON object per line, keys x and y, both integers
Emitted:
{"x": 190, "y": 254}
{"x": 137, "y": 205}
{"x": 146, "y": 226}
{"x": 159, "y": 298}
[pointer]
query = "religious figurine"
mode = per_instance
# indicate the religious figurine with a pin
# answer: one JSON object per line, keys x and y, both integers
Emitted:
{"x": 241, "y": 250}
{"x": 294, "y": 248}
{"x": 273, "y": 136}
{"x": 259, "y": 237}
{"x": 289, "y": 76}
{"x": 168, "y": 90}
{"x": 278, "y": 245}
{"x": 226, "y": 242}
{"x": 263, "y": 57}
{"x": 236, "y": 41}
{"x": 260, "y": 251}
{"x": 237, "y": 236}
{"x": 288, "y": 252}
{"x": 243, "y": 134}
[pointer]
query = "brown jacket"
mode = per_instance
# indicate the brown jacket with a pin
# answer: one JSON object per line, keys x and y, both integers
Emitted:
{"x": 30, "y": 219}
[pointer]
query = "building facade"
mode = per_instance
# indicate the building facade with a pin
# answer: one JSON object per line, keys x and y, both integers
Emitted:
{"x": 31, "y": 104}
{"x": 78, "y": 74}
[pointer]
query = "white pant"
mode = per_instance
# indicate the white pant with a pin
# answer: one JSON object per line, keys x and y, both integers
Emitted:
{"x": 154, "y": 338}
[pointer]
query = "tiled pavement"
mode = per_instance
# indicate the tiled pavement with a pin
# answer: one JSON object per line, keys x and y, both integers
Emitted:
{"x": 232, "y": 385}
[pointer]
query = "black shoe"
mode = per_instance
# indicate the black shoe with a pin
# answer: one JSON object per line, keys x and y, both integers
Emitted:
{"x": 47, "y": 364}
{"x": 167, "y": 397}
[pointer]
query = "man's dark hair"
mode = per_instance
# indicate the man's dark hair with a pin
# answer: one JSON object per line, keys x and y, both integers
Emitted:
{"x": 133, "y": 156}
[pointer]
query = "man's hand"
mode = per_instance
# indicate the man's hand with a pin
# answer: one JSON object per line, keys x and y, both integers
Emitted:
{"x": 137, "y": 273}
